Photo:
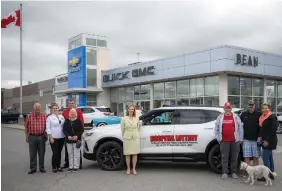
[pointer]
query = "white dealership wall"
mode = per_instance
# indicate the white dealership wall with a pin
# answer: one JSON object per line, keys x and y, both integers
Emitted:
{"x": 218, "y": 60}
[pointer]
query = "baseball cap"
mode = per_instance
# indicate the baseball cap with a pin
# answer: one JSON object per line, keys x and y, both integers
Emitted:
{"x": 227, "y": 104}
{"x": 251, "y": 102}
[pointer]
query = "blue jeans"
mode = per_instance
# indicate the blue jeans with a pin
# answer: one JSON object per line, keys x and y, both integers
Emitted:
{"x": 267, "y": 158}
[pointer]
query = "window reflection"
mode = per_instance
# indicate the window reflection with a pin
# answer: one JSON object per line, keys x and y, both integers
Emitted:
{"x": 158, "y": 90}
{"x": 246, "y": 86}
{"x": 145, "y": 92}
{"x": 136, "y": 92}
{"x": 183, "y": 88}
{"x": 170, "y": 89}
{"x": 129, "y": 93}
{"x": 258, "y": 87}
{"x": 211, "y": 86}
{"x": 233, "y": 85}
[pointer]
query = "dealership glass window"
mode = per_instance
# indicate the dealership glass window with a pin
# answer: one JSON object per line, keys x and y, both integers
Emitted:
{"x": 130, "y": 93}
{"x": 211, "y": 86}
{"x": 279, "y": 89}
{"x": 91, "y": 57}
{"x": 169, "y": 102}
{"x": 182, "y": 101}
{"x": 121, "y": 94}
{"x": 196, "y": 87}
{"x": 258, "y": 87}
{"x": 157, "y": 103}
{"x": 90, "y": 42}
{"x": 211, "y": 101}
{"x": 235, "y": 100}
{"x": 197, "y": 101}
{"x": 246, "y": 86}
{"x": 258, "y": 101}
{"x": 170, "y": 89}
{"x": 78, "y": 42}
{"x": 114, "y": 95}
{"x": 182, "y": 88}
{"x": 145, "y": 92}
{"x": 75, "y": 43}
{"x": 158, "y": 90}
{"x": 245, "y": 101}
{"x": 136, "y": 92}
{"x": 91, "y": 77}
{"x": 233, "y": 85}
{"x": 91, "y": 100}
{"x": 271, "y": 88}
{"x": 101, "y": 43}
{"x": 279, "y": 106}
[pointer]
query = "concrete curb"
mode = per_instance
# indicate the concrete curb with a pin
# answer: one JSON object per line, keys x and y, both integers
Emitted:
{"x": 12, "y": 127}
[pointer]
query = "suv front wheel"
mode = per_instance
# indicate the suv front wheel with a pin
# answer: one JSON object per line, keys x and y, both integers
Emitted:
{"x": 214, "y": 159}
{"x": 110, "y": 156}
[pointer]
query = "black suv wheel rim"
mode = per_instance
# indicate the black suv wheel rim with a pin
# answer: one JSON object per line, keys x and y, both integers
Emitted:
{"x": 110, "y": 157}
{"x": 217, "y": 159}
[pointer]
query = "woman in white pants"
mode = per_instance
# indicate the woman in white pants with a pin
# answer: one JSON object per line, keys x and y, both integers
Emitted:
{"x": 73, "y": 130}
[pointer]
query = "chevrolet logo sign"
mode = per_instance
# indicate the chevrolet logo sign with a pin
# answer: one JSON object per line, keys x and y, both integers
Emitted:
{"x": 74, "y": 61}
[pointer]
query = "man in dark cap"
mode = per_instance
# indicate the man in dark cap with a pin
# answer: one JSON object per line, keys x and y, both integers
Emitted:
{"x": 250, "y": 120}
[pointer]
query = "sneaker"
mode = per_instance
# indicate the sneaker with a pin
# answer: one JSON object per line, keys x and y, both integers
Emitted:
{"x": 234, "y": 176}
{"x": 74, "y": 170}
{"x": 70, "y": 170}
{"x": 224, "y": 176}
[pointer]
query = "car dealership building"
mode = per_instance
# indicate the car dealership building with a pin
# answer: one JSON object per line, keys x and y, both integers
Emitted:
{"x": 208, "y": 77}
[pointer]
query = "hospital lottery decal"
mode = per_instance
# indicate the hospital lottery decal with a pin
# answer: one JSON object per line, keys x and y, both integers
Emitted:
{"x": 173, "y": 140}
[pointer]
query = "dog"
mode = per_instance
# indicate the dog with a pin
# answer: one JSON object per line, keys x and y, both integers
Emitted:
{"x": 257, "y": 170}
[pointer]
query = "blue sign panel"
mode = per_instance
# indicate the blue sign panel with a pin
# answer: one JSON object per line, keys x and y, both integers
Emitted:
{"x": 77, "y": 68}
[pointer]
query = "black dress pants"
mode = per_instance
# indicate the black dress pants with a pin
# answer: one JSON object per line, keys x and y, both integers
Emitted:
{"x": 57, "y": 147}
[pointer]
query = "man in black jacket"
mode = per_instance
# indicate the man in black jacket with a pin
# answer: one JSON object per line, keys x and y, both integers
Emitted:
{"x": 250, "y": 119}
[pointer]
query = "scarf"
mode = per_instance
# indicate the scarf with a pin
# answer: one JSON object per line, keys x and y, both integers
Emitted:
{"x": 263, "y": 117}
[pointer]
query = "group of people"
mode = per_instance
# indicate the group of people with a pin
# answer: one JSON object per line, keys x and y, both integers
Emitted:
{"x": 255, "y": 130}
{"x": 61, "y": 130}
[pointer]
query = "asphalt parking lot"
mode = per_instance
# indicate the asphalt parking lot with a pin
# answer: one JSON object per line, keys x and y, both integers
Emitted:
{"x": 151, "y": 177}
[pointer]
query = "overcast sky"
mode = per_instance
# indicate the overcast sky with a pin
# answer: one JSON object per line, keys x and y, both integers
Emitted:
{"x": 155, "y": 29}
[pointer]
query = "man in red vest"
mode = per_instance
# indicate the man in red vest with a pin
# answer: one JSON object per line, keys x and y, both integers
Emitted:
{"x": 72, "y": 104}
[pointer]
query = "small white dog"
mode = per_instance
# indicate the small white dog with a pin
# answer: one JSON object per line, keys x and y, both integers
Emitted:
{"x": 257, "y": 170}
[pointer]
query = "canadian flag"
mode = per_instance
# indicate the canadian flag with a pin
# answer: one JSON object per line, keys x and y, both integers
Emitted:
{"x": 13, "y": 18}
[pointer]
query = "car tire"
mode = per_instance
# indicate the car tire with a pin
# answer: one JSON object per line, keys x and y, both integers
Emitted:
{"x": 102, "y": 124}
{"x": 110, "y": 156}
{"x": 214, "y": 159}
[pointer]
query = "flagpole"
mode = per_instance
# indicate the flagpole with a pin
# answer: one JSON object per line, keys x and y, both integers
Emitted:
{"x": 21, "y": 64}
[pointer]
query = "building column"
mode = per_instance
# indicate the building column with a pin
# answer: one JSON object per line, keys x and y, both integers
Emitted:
{"x": 223, "y": 88}
{"x": 151, "y": 96}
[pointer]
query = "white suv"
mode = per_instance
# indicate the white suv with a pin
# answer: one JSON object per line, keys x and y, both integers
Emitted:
{"x": 167, "y": 134}
{"x": 90, "y": 113}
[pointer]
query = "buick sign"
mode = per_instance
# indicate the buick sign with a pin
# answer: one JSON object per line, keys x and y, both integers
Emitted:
{"x": 139, "y": 72}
